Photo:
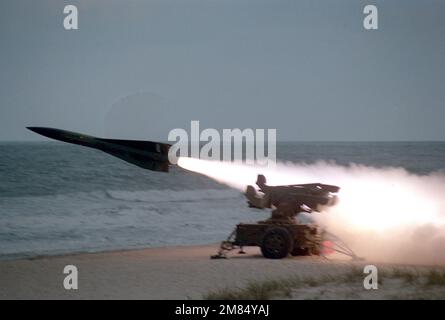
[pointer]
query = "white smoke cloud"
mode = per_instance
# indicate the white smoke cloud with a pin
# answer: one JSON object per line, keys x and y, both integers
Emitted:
{"x": 384, "y": 214}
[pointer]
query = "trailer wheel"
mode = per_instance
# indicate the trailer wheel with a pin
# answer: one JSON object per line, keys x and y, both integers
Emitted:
{"x": 300, "y": 252}
{"x": 277, "y": 243}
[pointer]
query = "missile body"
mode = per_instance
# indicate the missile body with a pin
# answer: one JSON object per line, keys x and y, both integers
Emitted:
{"x": 145, "y": 154}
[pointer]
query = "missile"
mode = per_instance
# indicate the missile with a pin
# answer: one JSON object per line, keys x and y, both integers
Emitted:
{"x": 145, "y": 154}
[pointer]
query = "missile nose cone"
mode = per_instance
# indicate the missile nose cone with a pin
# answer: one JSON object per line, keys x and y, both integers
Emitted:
{"x": 64, "y": 135}
{"x": 33, "y": 128}
{"x": 47, "y": 132}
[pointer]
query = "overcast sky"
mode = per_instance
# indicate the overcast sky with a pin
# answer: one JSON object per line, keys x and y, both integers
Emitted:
{"x": 136, "y": 69}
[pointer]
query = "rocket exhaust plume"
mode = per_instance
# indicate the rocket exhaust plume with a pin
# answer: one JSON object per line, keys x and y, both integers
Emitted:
{"x": 384, "y": 214}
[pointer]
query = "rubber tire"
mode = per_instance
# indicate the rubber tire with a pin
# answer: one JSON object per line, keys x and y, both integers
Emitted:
{"x": 277, "y": 243}
{"x": 300, "y": 252}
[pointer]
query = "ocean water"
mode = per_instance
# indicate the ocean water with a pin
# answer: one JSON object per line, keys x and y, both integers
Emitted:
{"x": 58, "y": 198}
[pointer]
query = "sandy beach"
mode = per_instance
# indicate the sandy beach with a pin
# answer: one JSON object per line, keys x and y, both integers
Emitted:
{"x": 187, "y": 273}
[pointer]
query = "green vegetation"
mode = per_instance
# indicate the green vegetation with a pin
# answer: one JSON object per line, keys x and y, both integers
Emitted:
{"x": 435, "y": 278}
{"x": 408, "y": 276}
{"x": 270, "y": 289}
{"x": 282, "y": 288}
